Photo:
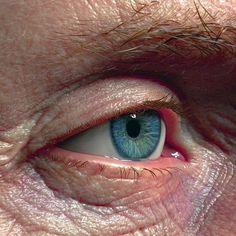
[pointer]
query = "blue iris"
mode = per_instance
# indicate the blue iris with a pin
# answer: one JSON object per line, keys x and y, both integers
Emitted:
{"x": 136, "y": 136}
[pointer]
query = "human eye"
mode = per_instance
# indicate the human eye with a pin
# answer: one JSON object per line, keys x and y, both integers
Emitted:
{"x": 135, "y": 136}
{"x": 138, "y": 136}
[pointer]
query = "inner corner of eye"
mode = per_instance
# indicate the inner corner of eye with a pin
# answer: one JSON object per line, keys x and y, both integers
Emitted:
{"x": 138, "y": 136}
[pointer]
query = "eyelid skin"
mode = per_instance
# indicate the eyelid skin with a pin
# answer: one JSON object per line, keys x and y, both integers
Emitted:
{"x": 89, "y": 177}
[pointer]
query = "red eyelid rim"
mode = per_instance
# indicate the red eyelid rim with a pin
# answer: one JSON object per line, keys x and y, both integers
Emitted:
{"x": 62, "y": 155}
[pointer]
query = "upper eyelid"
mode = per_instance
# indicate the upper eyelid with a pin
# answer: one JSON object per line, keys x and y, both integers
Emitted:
{"x": 58, "y": 117}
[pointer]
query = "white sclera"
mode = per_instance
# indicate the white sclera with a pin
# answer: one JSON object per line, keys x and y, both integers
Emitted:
{"x": 98, "y": 141}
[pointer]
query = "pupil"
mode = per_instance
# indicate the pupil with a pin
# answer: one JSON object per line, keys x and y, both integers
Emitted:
{"x": 133, "y": 128}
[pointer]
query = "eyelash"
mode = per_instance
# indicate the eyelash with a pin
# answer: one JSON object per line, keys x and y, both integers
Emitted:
{"x": 167, "y": 102}
{"x": 127, "y": 172}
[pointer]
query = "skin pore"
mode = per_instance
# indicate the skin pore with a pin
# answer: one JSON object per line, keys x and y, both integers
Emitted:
{"x": 66, "y": 66}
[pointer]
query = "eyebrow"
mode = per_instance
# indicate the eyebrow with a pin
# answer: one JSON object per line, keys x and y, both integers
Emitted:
{"x": 130, "y": 38}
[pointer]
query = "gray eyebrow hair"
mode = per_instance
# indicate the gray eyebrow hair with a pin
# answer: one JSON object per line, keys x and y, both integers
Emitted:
{"x": 129, "y": 39}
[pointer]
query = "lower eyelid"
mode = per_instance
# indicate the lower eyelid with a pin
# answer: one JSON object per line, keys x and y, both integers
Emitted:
{"x": 100, "y": 185}
{"x": 73, "y": 158}
{"x": 77, "y": 175}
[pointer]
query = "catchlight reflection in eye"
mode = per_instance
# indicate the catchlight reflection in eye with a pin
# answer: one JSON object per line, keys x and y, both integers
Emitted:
{"x": 137, "y": 136}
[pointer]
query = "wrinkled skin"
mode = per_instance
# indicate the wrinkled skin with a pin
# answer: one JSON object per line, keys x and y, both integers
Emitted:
{"x": 40, "y": 70}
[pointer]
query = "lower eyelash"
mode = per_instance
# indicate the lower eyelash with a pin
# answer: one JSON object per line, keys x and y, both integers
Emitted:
{"x": 123, "y": 173}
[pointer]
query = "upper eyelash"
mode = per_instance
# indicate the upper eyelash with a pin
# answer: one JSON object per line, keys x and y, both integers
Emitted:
{"x": 166, "y": 102}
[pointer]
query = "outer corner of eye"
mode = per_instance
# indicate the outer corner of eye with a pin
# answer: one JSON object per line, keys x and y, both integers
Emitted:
{"x": 136, "y": 137}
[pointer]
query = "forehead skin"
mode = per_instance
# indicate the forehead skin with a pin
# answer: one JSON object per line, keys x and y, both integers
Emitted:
{"x": 38, "y": 57}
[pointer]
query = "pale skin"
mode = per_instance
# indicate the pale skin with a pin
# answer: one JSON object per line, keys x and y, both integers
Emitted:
{"x": 52, "y": 50}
